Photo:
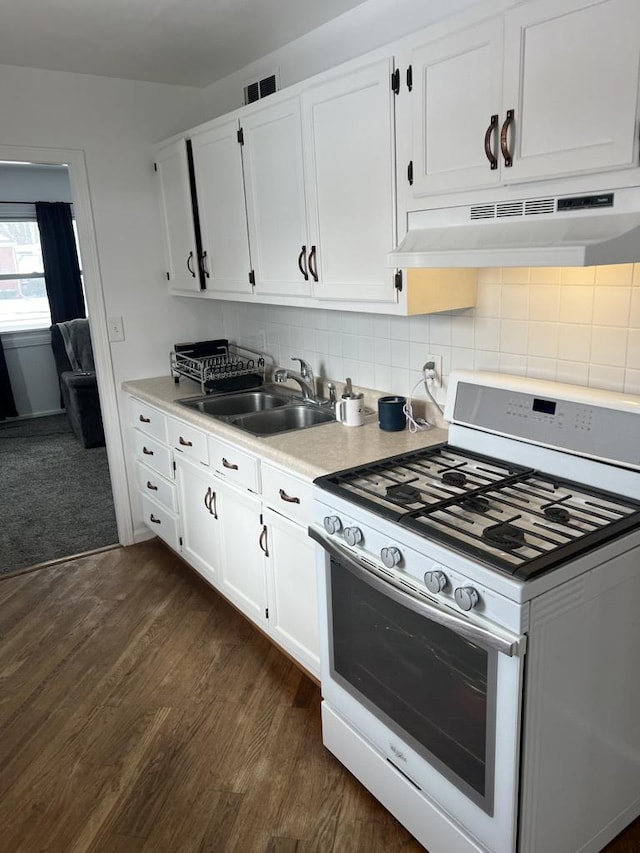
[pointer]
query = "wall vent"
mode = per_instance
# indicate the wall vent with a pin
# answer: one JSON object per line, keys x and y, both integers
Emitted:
{"x": 509, "y": 209}
{"x": 260, "y": 88}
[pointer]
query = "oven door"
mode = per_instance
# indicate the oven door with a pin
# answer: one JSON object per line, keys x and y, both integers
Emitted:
{"x": 436, "y": 692}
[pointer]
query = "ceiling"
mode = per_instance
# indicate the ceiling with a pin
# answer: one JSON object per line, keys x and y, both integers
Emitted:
{"x": 188, "y": 42}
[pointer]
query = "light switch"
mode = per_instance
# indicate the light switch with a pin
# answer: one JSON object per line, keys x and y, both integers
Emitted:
{"x": 116, "y": 328}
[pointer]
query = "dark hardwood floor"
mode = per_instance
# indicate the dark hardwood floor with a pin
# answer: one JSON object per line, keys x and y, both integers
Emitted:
{"x": 139, "y": 713}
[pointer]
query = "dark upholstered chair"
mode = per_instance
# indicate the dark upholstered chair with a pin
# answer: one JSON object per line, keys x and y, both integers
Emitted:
{"x": 78, "y": 386}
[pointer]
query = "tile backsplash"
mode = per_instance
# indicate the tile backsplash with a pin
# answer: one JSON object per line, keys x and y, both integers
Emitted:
{"x": 577, "y": 325}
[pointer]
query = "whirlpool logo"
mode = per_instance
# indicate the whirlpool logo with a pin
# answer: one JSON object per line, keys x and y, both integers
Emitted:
{"x": 399, "y": 754}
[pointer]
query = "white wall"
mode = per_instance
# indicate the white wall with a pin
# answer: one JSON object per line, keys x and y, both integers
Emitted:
{"x": 360, "y": 30}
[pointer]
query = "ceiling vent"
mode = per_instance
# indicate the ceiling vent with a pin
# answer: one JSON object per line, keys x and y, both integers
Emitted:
{"x": 260, "y": 89}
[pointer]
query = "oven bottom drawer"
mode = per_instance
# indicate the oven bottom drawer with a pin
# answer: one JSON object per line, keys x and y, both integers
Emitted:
{"x": 405, "y": 802}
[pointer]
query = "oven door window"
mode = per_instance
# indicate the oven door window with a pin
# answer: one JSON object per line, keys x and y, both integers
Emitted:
{"x": 432, "y": 687}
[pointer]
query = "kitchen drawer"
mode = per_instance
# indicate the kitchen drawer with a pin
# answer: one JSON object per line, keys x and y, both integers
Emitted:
{"x": 162, "y": 522}
{"x": 152, "y": 484}
{"x": 149, "y": 420}
{"x": 234, "y": 465}
{"x": 286, "y": 493}
{"x": 188, "y": 440}
{"x": 154, "y": 454}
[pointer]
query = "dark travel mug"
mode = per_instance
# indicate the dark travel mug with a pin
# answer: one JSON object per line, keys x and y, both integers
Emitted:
{"x": 391, "y": 414}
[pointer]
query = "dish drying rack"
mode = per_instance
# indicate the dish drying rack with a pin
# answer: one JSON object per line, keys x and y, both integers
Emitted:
{"x": 229, "y": 368}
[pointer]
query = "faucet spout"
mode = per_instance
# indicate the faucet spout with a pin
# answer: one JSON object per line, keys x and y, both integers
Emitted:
{"x": 305, "y": 379}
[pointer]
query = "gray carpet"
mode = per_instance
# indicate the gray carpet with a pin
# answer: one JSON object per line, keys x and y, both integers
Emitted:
{"x": 55, "y": 496}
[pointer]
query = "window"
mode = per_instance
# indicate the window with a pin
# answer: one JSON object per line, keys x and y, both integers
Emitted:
{"x": 23, "y": 296}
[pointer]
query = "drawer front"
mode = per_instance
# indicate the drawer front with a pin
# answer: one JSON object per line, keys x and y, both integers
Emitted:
{"x": 234, "y": 465}
{"x": 150, "y": 483}
{"x": 287, "y": 494}
{"x": 154, "y": 454}
{"x": 149, "y": 420}
{"x": 162, "y": 522}
{"x": 188, "y": 440}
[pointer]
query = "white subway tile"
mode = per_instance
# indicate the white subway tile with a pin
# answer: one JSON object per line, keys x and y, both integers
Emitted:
{"x": 609, "y": 346}
{"x": 542, "y": 368}
{"x": 490, "y": 275}
{"x": 574, "y": 372}
{"x": 633, "y": 349}
{"x": 488, "y": 300}
{"x": 486, "y": 360}
{"x": 382, "y": 351}
{"x": 382, "y": 375}
{"x": 631, "y": 382}
{"x": 420, "y": 328}
{"x": 574, "y": 342}
{"x": 634, "y": 310}
{"x": 609, "y": 378}
{"x": 544, "y": 302}
{"x": 516, "y": 275}
{"x": 578, "y": 275}
{"x": 350, "y": 347}
{"x": 576, "y": 304}
{"x": 543, "y": 340}
{"x": 611, "y": 305}
{"x": 545, "y": 275}
{"x": 462, "y": 332}
{"x": 515, "y": 302}
{"x": 399, "y": 354}
{"x": 513, "y": 336}
{"x": 516, "y": 364}
{"x": 462, "y": 358}
{"x": 440, "y": 330}
{"x": 617, "y": 275}
{"x": 487, "y": 333}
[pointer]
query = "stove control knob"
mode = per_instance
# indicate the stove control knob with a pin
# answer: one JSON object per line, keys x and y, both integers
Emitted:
{"x": 390, "y": 556}
{"x": 353, "y": 536}
{"x": 435, "y": 581}
{"x": 332, "y": 524}
{"x": 466, "y": 597}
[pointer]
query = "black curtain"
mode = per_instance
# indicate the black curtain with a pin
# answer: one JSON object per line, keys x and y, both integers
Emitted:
{"x": 61, "y": 268}
{"x": 7, "y": 403}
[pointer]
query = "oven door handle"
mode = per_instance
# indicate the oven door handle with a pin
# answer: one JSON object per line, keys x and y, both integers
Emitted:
{"x": 367, "y": 572}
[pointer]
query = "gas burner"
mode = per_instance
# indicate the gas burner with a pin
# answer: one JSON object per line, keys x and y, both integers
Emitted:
{"x": 557, "y": 513}
{"x": 475, "y": 503}
{"x": 403, "y": 493}
{"x": 454, "y": 478}
{"x": 505, "y": 536}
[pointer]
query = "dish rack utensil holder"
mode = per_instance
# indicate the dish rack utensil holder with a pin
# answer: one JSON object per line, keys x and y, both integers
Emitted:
{"x": 232, "y": 362}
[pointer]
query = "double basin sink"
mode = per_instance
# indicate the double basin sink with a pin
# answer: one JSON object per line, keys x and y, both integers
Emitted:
{"x": 268, "y": 410}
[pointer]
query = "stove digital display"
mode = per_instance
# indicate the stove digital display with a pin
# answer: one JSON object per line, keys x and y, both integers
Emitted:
{"x": 547, "y": 407}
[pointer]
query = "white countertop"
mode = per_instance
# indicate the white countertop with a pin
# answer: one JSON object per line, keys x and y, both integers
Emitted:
{"x": 310, "y": 452}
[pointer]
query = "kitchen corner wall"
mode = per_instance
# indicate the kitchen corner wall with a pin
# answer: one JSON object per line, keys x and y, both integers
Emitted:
{"x": 577, "y": 325}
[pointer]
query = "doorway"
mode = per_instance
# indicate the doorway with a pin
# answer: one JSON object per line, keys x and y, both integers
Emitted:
{"x": 75, "y": 162}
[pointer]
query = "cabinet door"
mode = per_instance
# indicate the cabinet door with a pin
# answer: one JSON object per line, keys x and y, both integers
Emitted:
{"x": 217, "y": 161}
{"x": 198, "y": 499}
{"x": 243, "y": 547}
{"x": 177, "y": 215}
{"x": 350, "y": 177}
{"x": 455, "y": 106}
{"x": 276, "y": 203}
{"x": 571, "y": 78}
{"x": 291, "y": 578}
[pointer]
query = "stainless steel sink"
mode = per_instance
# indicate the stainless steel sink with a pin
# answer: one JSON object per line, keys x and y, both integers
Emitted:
{"x": 263, "y": 411}
{"x": 291, "y": 417}
{"x": 237, "y": 403}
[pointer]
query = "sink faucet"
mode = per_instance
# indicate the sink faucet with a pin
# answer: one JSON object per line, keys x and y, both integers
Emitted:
{"x": 305, "y": 379}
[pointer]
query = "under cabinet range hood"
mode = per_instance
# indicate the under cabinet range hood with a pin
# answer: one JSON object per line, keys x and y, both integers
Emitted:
{"x": 572, "y": 230}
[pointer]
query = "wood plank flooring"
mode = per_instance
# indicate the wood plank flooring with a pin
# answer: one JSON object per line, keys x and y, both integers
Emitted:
{"x": 140, "y": 713}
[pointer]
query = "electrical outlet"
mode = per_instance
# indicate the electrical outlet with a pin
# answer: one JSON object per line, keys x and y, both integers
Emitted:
{"x": 116, "y": 328}
{"x": 436, "y": 380}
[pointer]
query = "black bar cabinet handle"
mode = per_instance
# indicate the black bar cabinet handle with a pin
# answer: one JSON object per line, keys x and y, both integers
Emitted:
{"x": 302, "y": 259}
{"x": 491, "y": 157}
{"x": 189, "y": 267}
{"x": 504, "y": 141}
{"x": 312, "y": 263}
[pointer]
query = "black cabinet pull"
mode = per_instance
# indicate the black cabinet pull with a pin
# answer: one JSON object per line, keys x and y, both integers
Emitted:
{"x": 189, "y": 267}
{"x": 154, "y": 520}
{"x": 312, "y": 263}
{"x": 285, "y": 497}
{"x": 262, "y": 541}
{"x": 410, "y": 173}
{"x": 203, "y": 265}
{"x": 151, "y": 487}
{"x": 183, "y": 443}
{"x": 504, "y": 141}
{"x": 147, "y": 452}
{"x": 302, "y": 259}
{"x": 144, "y": 420}
{"x": 491, "y": 157}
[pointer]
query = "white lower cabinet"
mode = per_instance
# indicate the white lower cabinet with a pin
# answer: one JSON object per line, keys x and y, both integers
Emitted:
{"x": 197, "y": 496}
{"x": 253, "y": 549}
{"x": 291, "y": 590}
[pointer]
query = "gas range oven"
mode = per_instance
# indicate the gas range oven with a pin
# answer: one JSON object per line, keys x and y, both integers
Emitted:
{"x": 479, "y": 620}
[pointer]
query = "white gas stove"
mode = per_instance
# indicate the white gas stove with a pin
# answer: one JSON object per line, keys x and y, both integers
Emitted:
{"x": 479, "y": 618}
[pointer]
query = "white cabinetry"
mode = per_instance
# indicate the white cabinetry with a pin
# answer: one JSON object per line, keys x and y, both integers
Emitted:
{"x": 349, "y": 165}
{"x": 154, "y": 472}
{"x": 179, "y": 229}
{"x": 547, "y": 90}
{"x": 197, "y": 493}
{"x": 217, "y": 163}
{"x": 276, "y": 199}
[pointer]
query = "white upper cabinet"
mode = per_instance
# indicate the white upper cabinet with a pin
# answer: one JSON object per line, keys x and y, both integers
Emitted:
{"x": 348, "y": 131}
{"x": 571, "y": 79}
{"x": 217, "y": 161}
{"x": 177, "y": 214}
{"x": 456, "y": 96}
{"x": 547, "y": 90}
{"x": 276, "y": 200}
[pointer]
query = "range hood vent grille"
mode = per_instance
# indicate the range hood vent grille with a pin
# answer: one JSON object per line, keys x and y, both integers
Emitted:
{"x": 508, "y": 209}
